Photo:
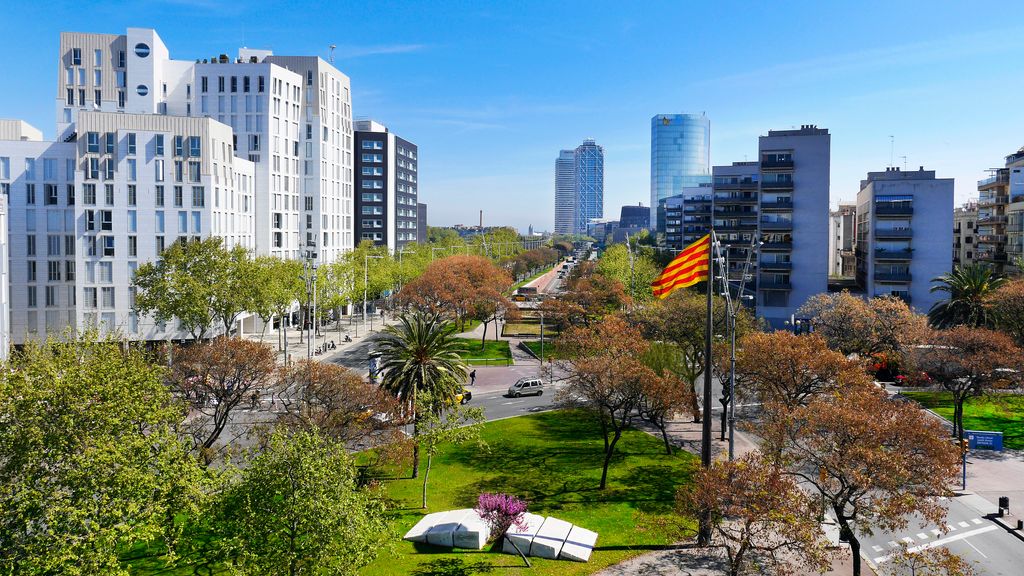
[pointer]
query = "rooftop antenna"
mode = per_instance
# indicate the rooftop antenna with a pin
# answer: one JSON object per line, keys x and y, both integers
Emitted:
{"x": 892, "y": 150}
{"x": 333, "y": 46}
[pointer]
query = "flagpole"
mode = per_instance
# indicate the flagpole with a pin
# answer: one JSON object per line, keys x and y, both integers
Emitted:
{"x": 704, "y": 530}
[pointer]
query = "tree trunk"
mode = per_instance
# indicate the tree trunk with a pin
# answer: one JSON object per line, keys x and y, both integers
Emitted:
{"x": 608, "y": 458}
{"x": 415, "y": 437}
{"x": 663, "y": 426}
{"x": 426, "y": 474}
{"x": 844, "y": 528}
{"x": 483, "y": 340}
{"x": 725, "y": 415}
{"x": 694, "y": 405}
{"x": 521, "y": 555}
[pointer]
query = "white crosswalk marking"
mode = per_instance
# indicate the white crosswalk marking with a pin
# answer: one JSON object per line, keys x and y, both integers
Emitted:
{"x": 907, "y": 539}
{"x": 936, "y": 532}
{"x": 963, "y": 524}
{"x": 950, "y": 526}
{"x": 942, "y": 542}
{"x": 893, "y": 544}
{"x": 922, "y": 536}
{"x": 976, "y": 520}
{"x": 877, "y": 548}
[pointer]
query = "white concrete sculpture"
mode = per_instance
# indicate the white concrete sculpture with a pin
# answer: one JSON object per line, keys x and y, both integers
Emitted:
{"x": 549, "y": 539}
{"x": 523, "y": 538}
{"x": 579, "y": 545}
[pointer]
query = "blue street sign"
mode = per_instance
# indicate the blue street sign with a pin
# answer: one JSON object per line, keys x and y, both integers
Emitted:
{"x": 977, "y": 440}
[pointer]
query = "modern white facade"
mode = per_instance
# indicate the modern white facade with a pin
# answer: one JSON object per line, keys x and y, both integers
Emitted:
{"x": 904, "y": 231}
{"x": 841, "y": 239}
{"x": 150, "y": 150}
{"x": 5, "y": 284}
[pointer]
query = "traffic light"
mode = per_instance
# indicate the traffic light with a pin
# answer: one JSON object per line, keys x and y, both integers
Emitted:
{"x": 965, "y": 446}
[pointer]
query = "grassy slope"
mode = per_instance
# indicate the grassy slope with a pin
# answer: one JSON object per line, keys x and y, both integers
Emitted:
{"x": 554, "y": 461}
{"x": 492, "y": 350}
{"x": 1003, "y": 413}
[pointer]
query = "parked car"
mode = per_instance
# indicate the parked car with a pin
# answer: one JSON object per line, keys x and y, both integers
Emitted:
{"x": 526, "y": 387}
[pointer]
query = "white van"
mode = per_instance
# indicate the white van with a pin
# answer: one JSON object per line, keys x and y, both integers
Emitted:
{"x": 526, "y": 387}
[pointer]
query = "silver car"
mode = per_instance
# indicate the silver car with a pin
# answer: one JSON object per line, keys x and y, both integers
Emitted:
{"x": 529, "y": 386}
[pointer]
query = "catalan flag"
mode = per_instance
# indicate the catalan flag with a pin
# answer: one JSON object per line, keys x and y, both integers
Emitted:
{"x": 687, "y": 269}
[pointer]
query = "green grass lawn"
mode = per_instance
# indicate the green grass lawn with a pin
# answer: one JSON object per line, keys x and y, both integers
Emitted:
{"x": 997, "y": 413}
{"x": 528, "y": 329}
{"x": 553, "y": 460}
{"x": 493, "y": 353}
{"x": 549, "y": 347}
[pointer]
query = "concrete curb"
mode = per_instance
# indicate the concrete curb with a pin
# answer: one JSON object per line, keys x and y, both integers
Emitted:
{"x": 1009, "y": 524}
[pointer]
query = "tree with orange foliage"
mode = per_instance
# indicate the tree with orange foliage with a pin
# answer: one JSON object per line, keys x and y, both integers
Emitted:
{"x": 461, "y": 288}
{"x": 968, "y": 362}
{"x": 929, "y": 562}
{"x": 1007, "y": 306}
{"x": 336, "y": 401}
{"x": 606, "y": 376}
{"x": 759, "y": 511}
{"x": 783, "y": 368}
{"x": 214, "y": 378}
{"x": 875, "y": 461}
{"x": 852, "y": 325}
{"x": 587, "y": 297}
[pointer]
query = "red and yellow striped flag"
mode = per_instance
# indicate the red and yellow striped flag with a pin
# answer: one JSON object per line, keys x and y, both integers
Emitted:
{"x": 687, "y": 269}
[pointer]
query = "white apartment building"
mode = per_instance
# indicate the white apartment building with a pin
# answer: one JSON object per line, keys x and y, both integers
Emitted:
{"x": 150, "y": 150}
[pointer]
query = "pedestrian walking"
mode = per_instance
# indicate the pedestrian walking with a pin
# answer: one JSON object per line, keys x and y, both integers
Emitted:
{"x": 472, "y": 377}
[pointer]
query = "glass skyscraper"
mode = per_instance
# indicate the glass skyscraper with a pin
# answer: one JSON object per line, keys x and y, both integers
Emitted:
{"x": 565, "y": 192}
{"x": 680, "y": 155}
{"x": 589, "y": 168}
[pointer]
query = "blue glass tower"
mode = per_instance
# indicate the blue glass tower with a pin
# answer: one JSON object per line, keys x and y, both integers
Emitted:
{"x": 680, "y": 155}
{"x": 589, "y": 169}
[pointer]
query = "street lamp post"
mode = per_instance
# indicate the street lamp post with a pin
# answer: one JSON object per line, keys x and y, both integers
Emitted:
{"x": 366, "y": 279}
{"x": 309, "y": 276}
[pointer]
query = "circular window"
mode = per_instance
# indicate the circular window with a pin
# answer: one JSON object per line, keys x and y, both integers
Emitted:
{"x": 141, "y": 50}
{"x": 142, "y": 89}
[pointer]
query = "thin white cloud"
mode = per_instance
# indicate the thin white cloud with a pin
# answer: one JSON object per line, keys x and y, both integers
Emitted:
{"x": 349, "y": 52}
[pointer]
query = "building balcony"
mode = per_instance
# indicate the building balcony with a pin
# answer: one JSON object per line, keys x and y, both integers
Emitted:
{"x": 776, "y": 164}
{"x": 993, "y": 200}
{"x": 777, "y": 185}
{"x": 991, "y": 238}
{"x": 773, "y": 284}
{"x": 736, "y": 227}
{"x": 735, "y": 199}
{"x": 893, "y": 233}
{"x": 893, "y": 209}
{"x": 745, "y": 184}
{"x": 777, "y": 225}
{"x": 769, "y": 265}
{"x": 904, "y": 297}
{"x": 777, "y": 246}
{"x": 992, "y": 219}
{"x": 882, "y": 254}
{"x": 990, "y": 256}
{"x": 778, "y": 204}
{"x": 996, "y": 180}
{"x": 892, "y": 276}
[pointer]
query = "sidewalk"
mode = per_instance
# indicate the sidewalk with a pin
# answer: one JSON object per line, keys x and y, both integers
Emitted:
{"x": 990, "y": 474}
{"x": 297, "y": 348}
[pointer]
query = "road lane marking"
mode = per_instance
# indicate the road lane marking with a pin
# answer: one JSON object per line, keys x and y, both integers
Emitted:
{"x": 964, "y": 524}
{"x": 951, "y": 527}
{"x": 976, "y": 520}
{"x": 893, "y": 544}
{"x": 942, "y": 542}
{"x": 922, "y": 536}
{"x": 968, "y": 542}
{"x": 907, "y": 539}
{"x": 936, "y": 532}
{"x": 877, "y": 548}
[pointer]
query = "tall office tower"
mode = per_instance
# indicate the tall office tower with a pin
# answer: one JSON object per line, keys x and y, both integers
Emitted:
{"x": 841, "y": 238}
{"x": 784, "y": 199}
{"x": 965, "y": 227}
{"x": 904, "y": 231}
{"x": 152, "y": 150}
{"x": 680, "y": 156}
{"x": 565, "y": 192}
{"x": 387, "y": 209}
{"x": 589, "y": 174}
{"x": 638, "y": 216}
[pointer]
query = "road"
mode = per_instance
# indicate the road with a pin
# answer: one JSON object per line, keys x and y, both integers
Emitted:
{"x": 969, "y": 534}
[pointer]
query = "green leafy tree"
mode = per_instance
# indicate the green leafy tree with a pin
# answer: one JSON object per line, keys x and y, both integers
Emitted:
{"x": 448, "y": 423}
{"x": 90, "y": 463}
{"x": 234, "y": 292}
{"x": 967, "y": 289}
{"x": 635, "y": 272}
{"x": 295, "y": 509}
{"x": 420, "y": 354}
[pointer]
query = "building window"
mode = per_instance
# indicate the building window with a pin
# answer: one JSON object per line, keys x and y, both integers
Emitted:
{"x": 159, "y": 244}
{"x": 198, "y": 197}
{"x": 131, "y": 143}
{"x": 179, "y": 146}
{"x": 109, "y": 140}
{"x": 50, "y": 194}
{"x": 220, "y": 84}
{"x": 30, "y": 193}
{"x": 179, "y": 196}
{"x": 108, "y": 297}
{"x": 108, "y": 245}
{"x": 76, "y": 56}
{"x": 193, "y": 172}
{"x": 245, "y": 83}
{"x": 121, "y": 59}
{"x": 260, "y": 84}
{"x": 132, "y": 196}
{"x": 132, "y": 170}
{"x": 158, "y": 193}
{"x": 89, "y": 194}
{"x": 108, "y": 169}
{"x": 160, "y": 222}
{"x": 30, "y": 245}
{"x": 194, "y": 146}
{"x": 133, "y": 246}
{"x": 108, "y": 194}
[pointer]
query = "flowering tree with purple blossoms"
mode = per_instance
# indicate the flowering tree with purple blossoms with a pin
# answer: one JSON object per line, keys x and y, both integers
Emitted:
{"x": 501, "y": 512}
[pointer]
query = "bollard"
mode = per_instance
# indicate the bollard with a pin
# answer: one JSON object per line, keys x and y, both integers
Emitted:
{"x": 1020, "y": 524}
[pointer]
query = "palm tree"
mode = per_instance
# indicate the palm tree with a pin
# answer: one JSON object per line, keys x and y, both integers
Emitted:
{"x": 420, "y": 355}
{"x": 967, "y": 286}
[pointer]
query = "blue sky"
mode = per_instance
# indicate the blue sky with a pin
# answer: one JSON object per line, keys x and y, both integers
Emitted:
{"x": 491, "y": 91}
